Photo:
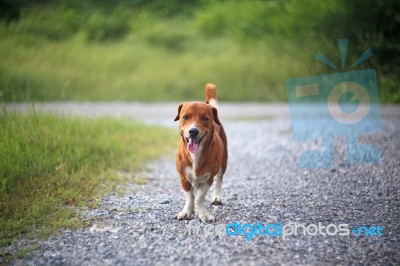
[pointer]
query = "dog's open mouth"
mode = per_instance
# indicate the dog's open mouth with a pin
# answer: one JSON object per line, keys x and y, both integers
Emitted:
{"x": 194, "y": 143}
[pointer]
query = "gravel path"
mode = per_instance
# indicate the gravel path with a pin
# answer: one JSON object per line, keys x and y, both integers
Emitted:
{"x": 262, "y": 183}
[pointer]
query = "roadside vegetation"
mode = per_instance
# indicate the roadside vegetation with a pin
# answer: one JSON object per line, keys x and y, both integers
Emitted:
{"x": 166, "y": 50}
{"x": 52, "y": 168}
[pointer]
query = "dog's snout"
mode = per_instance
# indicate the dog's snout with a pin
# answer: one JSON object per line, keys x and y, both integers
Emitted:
{"x": 193, "y": 132}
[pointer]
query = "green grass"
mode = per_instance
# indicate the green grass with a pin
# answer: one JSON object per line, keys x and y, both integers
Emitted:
{"x": 160, "y": 60}
{"x": 165, "y": 62}
{"x": 51, "y": 166}
{"x": 166, "y": 50}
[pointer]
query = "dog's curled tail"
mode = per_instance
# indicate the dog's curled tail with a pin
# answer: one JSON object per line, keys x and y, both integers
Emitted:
{"x": 211, "y": 95}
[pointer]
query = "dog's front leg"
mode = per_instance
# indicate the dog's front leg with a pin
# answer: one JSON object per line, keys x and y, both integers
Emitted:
{"x": 189, "y": 200}
{"x": 201, "y": 211}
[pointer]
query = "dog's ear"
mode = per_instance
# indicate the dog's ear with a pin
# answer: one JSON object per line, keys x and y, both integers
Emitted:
{"x": 216, "y": 119}
{"x": 179, "y": 111}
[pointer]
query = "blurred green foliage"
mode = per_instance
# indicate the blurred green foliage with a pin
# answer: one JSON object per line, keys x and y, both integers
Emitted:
{"x": 222, "y": 36}
{"x": 100, "y": 27}
{"x": 48, "y": 22}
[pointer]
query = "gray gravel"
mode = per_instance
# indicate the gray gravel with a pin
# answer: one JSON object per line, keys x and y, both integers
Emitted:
{"x": 262, "y": 183}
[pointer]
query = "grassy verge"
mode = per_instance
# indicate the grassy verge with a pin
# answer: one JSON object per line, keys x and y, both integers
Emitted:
{"x": 134, "y": 69}
{"x": 167, "y": 50}
{"x": 50, "y": 165}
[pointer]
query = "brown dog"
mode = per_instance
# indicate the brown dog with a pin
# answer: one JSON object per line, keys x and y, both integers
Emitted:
{"x": 202, "y": 154}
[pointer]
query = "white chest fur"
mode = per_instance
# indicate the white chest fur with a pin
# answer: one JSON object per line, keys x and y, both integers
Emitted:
{"x": 190, "y": 171}
{"x": 193, "y": 179}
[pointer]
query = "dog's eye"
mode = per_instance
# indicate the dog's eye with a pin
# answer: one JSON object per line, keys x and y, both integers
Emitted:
{"x": 185, "y": 117}
{"x": 205, "y": 118}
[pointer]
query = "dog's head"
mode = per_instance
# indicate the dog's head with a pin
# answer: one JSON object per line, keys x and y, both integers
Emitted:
{"x": 196, "y": 123}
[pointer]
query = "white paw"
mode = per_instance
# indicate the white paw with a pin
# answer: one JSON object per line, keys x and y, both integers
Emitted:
{"x": 205, "y": 216}
{"x": 216, "y": 200}
{"x": 183, "y": 215}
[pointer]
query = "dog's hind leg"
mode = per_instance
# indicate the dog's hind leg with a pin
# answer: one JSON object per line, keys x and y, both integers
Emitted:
{"x": 216, "y": 199}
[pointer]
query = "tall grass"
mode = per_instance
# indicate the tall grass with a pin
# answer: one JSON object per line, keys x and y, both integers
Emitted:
{"x": 158, "y": 59}
{"x": 160, "y": 51}
{"x": 173, "y": 66}
{"x": 49, "y": 166}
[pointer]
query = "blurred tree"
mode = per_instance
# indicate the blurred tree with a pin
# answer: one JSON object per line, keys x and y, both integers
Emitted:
{"x": 374, "y": 24}
{"x": 369, "y": 22}
{"x": 381, "y": 29}
{"x": 11, "y": 9}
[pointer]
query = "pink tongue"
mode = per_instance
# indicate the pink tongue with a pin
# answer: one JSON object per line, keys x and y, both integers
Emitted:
{"x": 193, "y": 145}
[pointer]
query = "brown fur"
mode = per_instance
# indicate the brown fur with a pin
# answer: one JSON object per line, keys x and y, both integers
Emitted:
{"x": 213, "y": 156}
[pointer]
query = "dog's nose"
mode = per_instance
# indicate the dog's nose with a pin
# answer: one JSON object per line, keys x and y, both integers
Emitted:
{"x": 193, "y": 132}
